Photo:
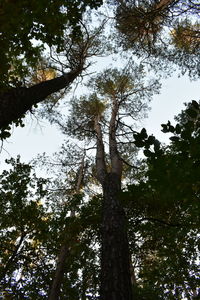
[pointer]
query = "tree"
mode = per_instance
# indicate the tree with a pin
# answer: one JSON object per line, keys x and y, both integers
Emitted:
{"x": 66, "y": 247}
{"x": 23, "y": 229}
{"x": 15, "y": 102}
{"x": 103, "y": 118}
{"x": 35, "y": 224}
{"x": 21, "y": 53}
{"x": 166, "y": 31}
{"x": 164, "y": 212}
{"x": 94, "y": 117}
{"x": 45, "y": 23}
{"x": 80, "y": 231}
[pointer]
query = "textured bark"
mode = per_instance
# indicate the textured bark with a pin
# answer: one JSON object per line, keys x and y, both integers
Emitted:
{"x": 15, "y": 102}
{"x": 116, "y": 163}
{"x": 115, "y": 263}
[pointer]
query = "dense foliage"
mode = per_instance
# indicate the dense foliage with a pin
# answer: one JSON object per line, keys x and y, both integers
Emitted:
{"x": 164, "y": 211}
{"x": 27, "y": 27}
{"x": 31, "y": 220}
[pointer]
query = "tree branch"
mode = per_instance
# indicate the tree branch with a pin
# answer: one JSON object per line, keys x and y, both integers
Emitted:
{"x": 15, "y": 102}
{"x": 161, "y": 222}
{"x": 100, "y": 153}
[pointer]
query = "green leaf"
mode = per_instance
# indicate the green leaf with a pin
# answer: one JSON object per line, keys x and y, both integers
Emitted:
{"x": 151, "y": 140}
{"x": 165, "y": 129}
{"x": 156, "y": 146}
{"x": 148, "y": 153}
{"x": 178, "y": 129}
{"x": 192, "y": 113}
{"x": 143, "y": 133}
{"x": 174, "y": 138}
{"x": 195, "y": 104}
{"x": 139, "y": 143}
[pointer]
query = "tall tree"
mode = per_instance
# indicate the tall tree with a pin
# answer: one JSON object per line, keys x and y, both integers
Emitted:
{"x": 25, "y": 40}
{"x": 55, "y": 289}
{"x": 117, "y": 95}
{"x": 162, "y": 209}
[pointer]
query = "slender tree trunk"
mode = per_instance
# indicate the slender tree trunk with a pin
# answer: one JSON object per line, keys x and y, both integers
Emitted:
{"x": 115, "y": 264}
{"x": 59, "y": 274}
{"x": 13, "y": 257}
{"x": 65, "y": 247}
{"x": 15, "y": 102}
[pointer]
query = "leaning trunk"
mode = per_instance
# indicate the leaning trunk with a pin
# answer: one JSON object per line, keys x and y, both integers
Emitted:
{"x": 115, "y": 263}
{"x": 15, "y": 102}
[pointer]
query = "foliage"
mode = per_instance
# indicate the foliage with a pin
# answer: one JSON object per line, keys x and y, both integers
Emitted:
{"x": 23, "y": 228}
{"x": 167, "y": 31}
{"x": 164, "y": 211}
{"x": 83, "y": 113}
{"x": 23, "y": 39}
{"x": 162, "y": 200}
{"x": 127, "y": 87}
{"x": 31, "y": 220}
{"x": 186, "y": 36}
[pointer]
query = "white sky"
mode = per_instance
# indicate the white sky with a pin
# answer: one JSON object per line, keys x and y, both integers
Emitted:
{"x": 41, "y": 137}
{"x": 174, "y": 93}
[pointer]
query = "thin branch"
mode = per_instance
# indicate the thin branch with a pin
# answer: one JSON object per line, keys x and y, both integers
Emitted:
{"x": 161, "y": 222}
{"x": 134, "y": 167}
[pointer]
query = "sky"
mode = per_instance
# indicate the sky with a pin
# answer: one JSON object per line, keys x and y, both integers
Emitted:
{"x": 169, "y": 103}
{"x": 38, "y": 137}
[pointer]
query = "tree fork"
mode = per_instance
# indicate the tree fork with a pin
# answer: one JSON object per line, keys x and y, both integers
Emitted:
{"x": 115, "y": 262}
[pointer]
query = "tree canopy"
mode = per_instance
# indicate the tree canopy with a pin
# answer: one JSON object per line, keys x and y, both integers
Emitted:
{"x": 27, "y": 27}
{"x": 166, "y": 202}
{"x": 109, "y": 223}
{"x": 166, "y": 30}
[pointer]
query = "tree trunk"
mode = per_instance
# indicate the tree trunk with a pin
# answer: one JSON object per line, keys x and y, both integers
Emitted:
{"x": 115, "y": 263}
{"x": 59, "y": 274}
{"x": 65, "y": 247}
{"x": 15, "y": 102}
{"x": 163, "y": 4}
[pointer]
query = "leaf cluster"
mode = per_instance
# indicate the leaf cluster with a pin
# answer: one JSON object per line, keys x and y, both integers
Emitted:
{"x": 163, "y": 211}
{"x": 43, "y": 23}
{"x": 166, "y": 31}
